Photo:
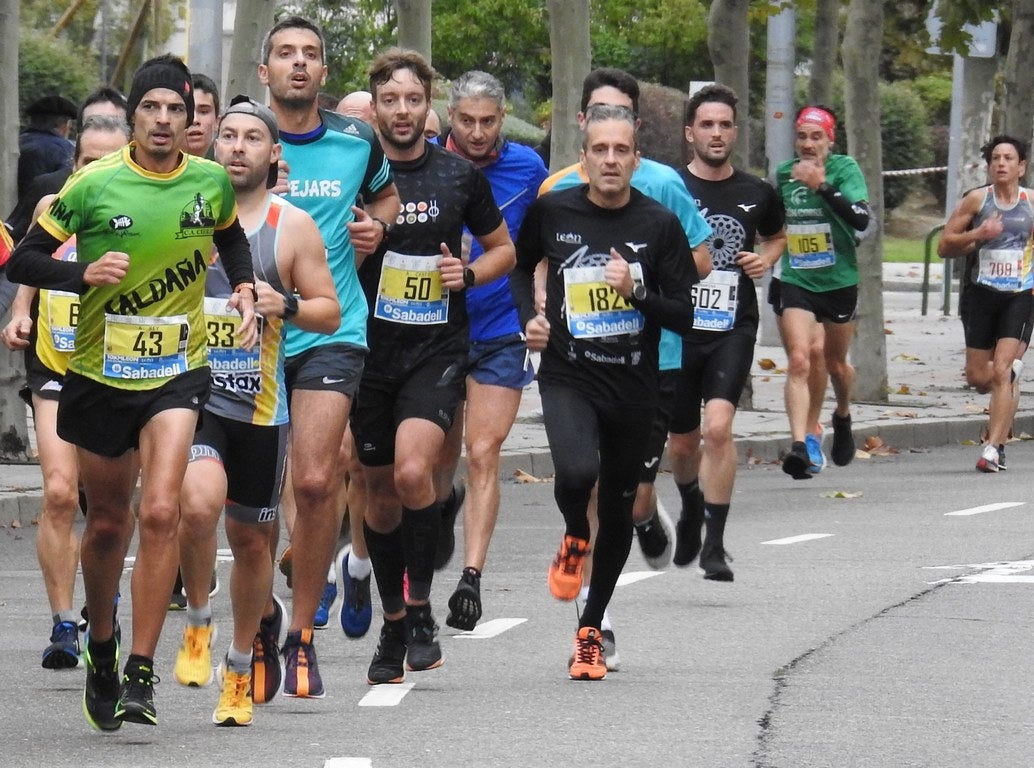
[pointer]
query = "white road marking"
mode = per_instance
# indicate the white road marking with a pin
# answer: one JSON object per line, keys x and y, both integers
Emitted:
{"x": 224, "y": 555}
{"x": 798, "y": 539}
{"x": 348, "y": 762}
{"x": 985, "y": 508}
{"x": 491, "y": 628}
{"x": 385, "y": 696}
{"x": 633, "y": 576}
{"x": 1003, "y": 572}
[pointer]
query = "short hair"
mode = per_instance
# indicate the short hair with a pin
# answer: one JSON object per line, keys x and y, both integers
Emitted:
{"x": 476, "y": 84}
{"x": 988, "y": 149}
{"x": 394, "y": 59}
{"x": 205, "y": 83}
{"x": 615, "y": 78}
{"x": 716, "y": 92}
{"x": 291, "y": 22}
{"x": 602, "y": 112}
{"x": 103, "y": 124}
{"x": 103, "y": 94}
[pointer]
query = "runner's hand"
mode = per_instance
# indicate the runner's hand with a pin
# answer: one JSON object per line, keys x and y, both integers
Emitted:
{"x": 16, "y": 332}
{"x": 109, "y": 269}
{"x": 244, "y": 303}
{"x": 536, "y": 333}
{"x": 617, "y": 275}
{"x": 451, "y": 270}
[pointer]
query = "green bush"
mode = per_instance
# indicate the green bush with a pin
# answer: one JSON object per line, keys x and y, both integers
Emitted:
{"x": 48, "y": 67}
{"x": 935, "y": 92}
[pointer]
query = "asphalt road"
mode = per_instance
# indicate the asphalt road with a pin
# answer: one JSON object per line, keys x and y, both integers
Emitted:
{"x": 874, "y": 630}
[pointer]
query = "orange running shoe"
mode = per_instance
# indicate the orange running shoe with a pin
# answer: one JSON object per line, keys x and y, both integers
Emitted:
{"x": 565, "y": 572}
{"x": 588, "y": 661}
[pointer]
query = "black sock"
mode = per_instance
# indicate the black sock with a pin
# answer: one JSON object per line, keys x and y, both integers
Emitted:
{"x": 692, "y": 498}
{"x": 389, "y": 563}
{"x": 420, "y": 542}
{"x": 714, "y": 520}
{"x": 135, "y": 661}
{"x": 103, "y": 650}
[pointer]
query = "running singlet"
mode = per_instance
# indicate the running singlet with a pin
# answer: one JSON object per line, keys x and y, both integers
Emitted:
{"x": 820, "y": 247}
{"x": 329, "y": 169}
{"x": 738, "y": 209}
{"x": 663, "y": 184}
{"x": 515, "y": 178}
{"x": 412, "y": 317}
{"x": 150, "y": 327}
{"x": 1004, "y": 263}
{"x": 599, "y": 343}
{"x": 57, "y": 317}
{"x": 248, "y": 384}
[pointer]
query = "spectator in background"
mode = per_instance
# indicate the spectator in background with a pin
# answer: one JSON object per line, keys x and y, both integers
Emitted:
{"x": 44, "y": 144}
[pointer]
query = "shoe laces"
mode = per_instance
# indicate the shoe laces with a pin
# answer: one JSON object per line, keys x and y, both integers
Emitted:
{"x": 141, "y": 677}
{"x": 587, "y": 650}
{"x": 196, "y": 639}
{"x": 236, "y": 693}
{"x": 571, "y": 555}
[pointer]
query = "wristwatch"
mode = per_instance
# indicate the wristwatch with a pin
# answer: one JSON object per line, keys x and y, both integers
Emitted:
{"x": 468, "y": 277}
{"x": 639, "y": 292}
{"x": 290, "y": 306}
{"x": 385, "y": 225}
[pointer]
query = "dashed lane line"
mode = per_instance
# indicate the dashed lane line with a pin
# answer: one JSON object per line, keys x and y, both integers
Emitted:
{"x": 797, "y": 539}
{"x": 633, "y": 576}
{"x": 490, "y": 629}
{"x": 985, "y": 508}
{"x": 385, "y": 695}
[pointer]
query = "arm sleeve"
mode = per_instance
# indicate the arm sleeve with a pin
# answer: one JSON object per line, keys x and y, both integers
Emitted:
{"x": 235, "y": 253}
{"x": 529, "y": 254}
{"x": 855, "y": 215}
{"x": 32, "y": 263}
{"x": 672, "y": 303}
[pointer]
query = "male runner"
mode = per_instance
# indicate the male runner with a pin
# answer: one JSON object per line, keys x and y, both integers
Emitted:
{"x": 44, "y": 327}
{"x": 717, "y": 354}
{"x": 239, "y": 454}
{"x": 618, "y": 265}
{"x": 332, "y": 159}
{"x": 145, "y": 220}
{"x": 826, "y": 213}
{"x": 499, "y": 363}
{"x": 419, "y": 340}
{"x": 995, "y": 222}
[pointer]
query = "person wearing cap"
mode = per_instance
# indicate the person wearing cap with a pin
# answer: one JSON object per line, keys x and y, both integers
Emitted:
{"x": 332, "y": 160}
{"x": 827, "y": 212}
{"x": 145, "y": 220}
{"x": 239, "y": 453}
{"x": 44, "y": 146}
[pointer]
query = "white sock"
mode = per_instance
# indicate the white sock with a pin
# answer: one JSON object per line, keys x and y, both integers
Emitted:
{"x": 199, "y": 616}
{"x": 359, "y": 567}
{"x": 583, "y": 594}
{"x": 605, "y": 624}
{"x": 238, "y": 661}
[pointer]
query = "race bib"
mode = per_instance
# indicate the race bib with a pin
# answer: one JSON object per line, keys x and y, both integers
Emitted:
{"x": 810, "y": 246}
{"x": 714, "y": 301}
{"x": 63, "y": 311}
{"x": 1001, "y": 269}
{"x": 225, "y": 353}
{"x": 594, "y": 309}
{"x": 145, "y": 347}
{"x": 410, "y": 291}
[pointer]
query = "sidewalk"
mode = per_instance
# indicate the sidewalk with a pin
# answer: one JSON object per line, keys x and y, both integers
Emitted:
{"x": 928, "y": 403}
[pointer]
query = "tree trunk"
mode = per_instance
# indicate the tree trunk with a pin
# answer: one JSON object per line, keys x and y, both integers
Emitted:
{"x": 824, "y": 54}
{"x": 415, "y": 25}
{"x": 251, "y": 22}
{"x": 862, "y": 105}
{"x": 12, "y": 364}
{"x": 572, "y": 58}
{"x": 728, "y": 41}
{"x": 1019, "y": 75}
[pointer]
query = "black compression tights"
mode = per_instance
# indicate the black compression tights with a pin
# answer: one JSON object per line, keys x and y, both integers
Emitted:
{"x": 592, "y": 441}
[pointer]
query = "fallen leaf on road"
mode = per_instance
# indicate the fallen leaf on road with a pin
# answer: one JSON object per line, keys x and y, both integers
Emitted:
{"x": 523, "y": 477}
{"x": 888, "y": 332}
{"x": 903, "y": 390}
{"x": 16, "y": 524}
{"x": 907, "y": 358}
{"x": 875, "y": 446}
{"x": 901, "y": 414}
{"x": 766, "y": 364}
{"x": 841, "y": 494}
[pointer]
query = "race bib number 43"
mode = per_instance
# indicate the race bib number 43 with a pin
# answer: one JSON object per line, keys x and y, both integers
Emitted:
{"x": 410, "y": 291}
{"x": 145, "y": 347}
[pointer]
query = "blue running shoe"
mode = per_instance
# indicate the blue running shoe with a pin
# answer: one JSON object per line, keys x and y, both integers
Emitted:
{"x": 356, "y": 607}
{"x": 322, "y": 617}
{"x": 63, "y": 651}
{"x": 816, "y": 458}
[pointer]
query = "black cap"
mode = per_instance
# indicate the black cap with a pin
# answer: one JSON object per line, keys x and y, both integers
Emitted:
{"x": 53, "y": 105}
{"x": 162, "y": 72}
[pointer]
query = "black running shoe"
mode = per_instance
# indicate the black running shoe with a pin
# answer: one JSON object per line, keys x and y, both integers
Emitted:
{"x": 687, "y": 531}
{"x": 423, "y": 650}
{"x": 655, "y": 538}
{"x": 447, "y": 526}
{"x": 100, "y": 696}
{"x": 465, "y": 603}
{"x": 136, "y": 702}
{"x": 1001, "y": 458}
{"x": 178, "y": 600}
{"x": 843, "y": 442}
{"x": 796, "y": 462}
{"x": 388, "y": 660}
{"x": 712, "y": 562}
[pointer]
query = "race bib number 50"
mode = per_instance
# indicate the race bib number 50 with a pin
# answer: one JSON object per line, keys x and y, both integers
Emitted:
{"x": 410, "y": 291}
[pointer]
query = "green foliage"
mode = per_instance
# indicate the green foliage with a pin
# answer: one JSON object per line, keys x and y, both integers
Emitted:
{"x": 49, "y": 67}
{"x": 935, "y": 92}
{"x": 954, "y": 15}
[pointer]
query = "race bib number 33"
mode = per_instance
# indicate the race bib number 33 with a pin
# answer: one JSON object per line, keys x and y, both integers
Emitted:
{"x": 145, "y": 347}
{"x": 224, "y": 349}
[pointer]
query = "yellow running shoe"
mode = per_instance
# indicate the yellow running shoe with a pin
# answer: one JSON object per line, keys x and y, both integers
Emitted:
{"x": 194, "y": 658}
{"x": 235, "y": 705}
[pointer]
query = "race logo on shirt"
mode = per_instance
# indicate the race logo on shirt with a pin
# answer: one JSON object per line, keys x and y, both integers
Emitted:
{"x": 196, "y": 219}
